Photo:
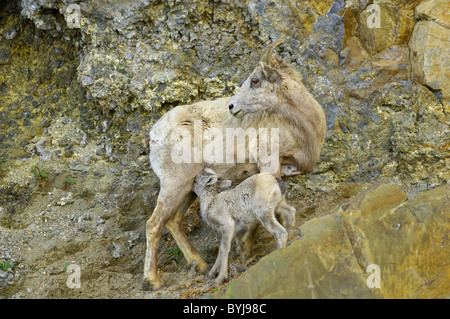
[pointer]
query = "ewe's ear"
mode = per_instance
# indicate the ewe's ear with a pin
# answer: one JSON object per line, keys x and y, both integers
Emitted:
{"x": 224, "y": 183}
{"x": 270, "y": 74}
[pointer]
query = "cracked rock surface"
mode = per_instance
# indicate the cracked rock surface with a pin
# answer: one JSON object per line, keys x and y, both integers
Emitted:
{"x": 378, "y": 233}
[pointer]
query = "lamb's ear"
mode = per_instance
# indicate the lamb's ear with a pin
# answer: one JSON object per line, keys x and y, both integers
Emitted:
{"x": 224, "y": 183}
{"x": 211, "y": 180}
{"x": 270, "y": 74}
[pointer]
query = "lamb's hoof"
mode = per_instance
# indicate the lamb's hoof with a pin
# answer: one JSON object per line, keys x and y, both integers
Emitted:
{"x": 152, "y": 284}
{"x": 219, "y": 280}
{"x": 211, "y": 274}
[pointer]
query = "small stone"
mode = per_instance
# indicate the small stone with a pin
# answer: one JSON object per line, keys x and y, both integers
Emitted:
{"x": 65, "y": 200}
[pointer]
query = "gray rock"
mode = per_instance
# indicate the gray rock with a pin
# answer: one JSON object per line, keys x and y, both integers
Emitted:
{"x": 5, "y": 54}
{"x": 44, "y": 148}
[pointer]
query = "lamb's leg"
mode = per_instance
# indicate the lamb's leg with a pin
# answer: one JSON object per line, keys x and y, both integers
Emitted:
{"x": 287, "y": 215}
{"x": 169, "y": 202}
{"x": 250, "y": 235}
{"x": 274, "y": 227}
{"x": 215, "y": 268}
{"x": 175, "y": 226}
{"x": 224, "y": 250}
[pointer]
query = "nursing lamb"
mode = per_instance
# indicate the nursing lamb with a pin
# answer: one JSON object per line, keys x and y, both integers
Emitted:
{"x": 231, "y": 212}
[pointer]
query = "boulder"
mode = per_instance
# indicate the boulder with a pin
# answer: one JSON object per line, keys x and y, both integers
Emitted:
{"x": 392, "y": 27}
{"x": 429, "y": 50}
{"x": 380, "y": 245}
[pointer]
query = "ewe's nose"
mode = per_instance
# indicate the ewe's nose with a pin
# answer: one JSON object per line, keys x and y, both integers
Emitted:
{"x": 230, "y": 106}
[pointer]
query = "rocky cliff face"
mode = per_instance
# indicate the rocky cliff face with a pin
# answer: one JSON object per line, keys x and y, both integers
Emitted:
{"x": 381, "y": 74}
{"x": 81, "y": 83}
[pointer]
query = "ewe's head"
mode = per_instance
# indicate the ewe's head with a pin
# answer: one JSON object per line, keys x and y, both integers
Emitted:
{"x": 208, "y": 179}
{"x": 260, "y": 92}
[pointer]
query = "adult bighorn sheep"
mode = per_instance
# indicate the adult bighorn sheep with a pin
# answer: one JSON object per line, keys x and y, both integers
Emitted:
{"x": 273, "y": 97}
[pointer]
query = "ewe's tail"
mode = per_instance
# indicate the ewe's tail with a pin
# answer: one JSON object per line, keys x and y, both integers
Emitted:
{"x": 281, "y": 185}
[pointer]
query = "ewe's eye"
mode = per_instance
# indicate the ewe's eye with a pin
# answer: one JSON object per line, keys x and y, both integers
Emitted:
{"x": 254, "y": 81}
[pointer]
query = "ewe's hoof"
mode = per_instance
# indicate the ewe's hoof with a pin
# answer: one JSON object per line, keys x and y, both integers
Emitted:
{"x": 153, "y": 284}
{"x": 197, "y": 266}
{"x": 202, "y": 267}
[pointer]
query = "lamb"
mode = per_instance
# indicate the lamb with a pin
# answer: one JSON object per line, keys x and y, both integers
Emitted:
{"x": 272, "y": 97}
{"x": 256, "y": 199}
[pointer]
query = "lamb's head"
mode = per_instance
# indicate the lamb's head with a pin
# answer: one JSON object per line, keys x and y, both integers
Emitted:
{"x": 207, "y": 179}
{"x": 261, "y": 90}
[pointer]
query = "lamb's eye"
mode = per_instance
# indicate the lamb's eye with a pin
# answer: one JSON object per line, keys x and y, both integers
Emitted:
{"x": 254, "y": 81}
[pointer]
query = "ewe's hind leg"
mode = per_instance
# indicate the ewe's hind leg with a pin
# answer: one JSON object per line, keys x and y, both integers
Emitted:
{"x": 169, "y": 202}
{"x": 174, "y": 225}
{"x": 155, "y": 226}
